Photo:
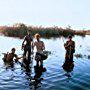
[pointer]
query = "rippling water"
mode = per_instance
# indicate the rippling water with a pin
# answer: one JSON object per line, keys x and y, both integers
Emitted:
{"x": 55, "y": 78}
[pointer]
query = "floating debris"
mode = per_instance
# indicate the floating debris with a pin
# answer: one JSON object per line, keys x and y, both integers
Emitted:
{"x": 80, "y": 45}
{"x": 78, "y": 55}
{"x": 82, "y": 56}
{"x": 47, "y": 52}
{"x": 88, "y": 56}
{"x": 85, "y": 55}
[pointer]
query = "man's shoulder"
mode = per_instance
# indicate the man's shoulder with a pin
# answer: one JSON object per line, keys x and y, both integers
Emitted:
{"x": 38, "y": 42}
{"x": 67, "y": 42}
{"x": 15, "y": 55}
{"x": 9, "y": 54}
{"x": 70, "y": 41}
{"x": 12, "y": 54}
{"x": 73, "y": 41}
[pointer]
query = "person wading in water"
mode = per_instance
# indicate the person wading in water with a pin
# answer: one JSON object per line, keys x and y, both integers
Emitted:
{"x": 70, "y": 49}
{"x": 8, "y": 57}
{"x": 39, "y": 57}
{"x": 26, "y": 45}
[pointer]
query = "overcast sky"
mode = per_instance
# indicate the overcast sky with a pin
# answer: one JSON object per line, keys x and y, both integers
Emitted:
{"x": 46, "y": 12}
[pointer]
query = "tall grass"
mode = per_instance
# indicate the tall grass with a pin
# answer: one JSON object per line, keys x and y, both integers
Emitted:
{"x": 20, "y": 30}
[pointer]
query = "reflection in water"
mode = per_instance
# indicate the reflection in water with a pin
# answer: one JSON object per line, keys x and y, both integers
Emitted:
{"x": 8, "y": 65}
{"x": 36, "y": 81}
{"x": 27, "y": 67}
{"x": 68, "y": 66}
{"x": 23, "y": 77}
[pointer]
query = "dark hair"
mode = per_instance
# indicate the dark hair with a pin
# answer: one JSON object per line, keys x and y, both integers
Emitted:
{"x": 70, "y": 36}
{"x": 13, "y": 49}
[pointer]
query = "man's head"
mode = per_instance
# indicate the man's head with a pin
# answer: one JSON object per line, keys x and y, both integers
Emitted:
{"x": 70, "y": 37}
{"x": 28, "y": 32}
{"x": 37, "y": 36}
{"x": 13, "y": 50}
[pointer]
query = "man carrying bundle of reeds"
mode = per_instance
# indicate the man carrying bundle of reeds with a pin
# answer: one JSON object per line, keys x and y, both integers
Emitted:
{"x": 26, "y": 45}
{"x": 70, "y": 49}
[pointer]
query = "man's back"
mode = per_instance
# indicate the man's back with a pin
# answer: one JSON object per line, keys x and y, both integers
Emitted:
{"x": 40, "y": 46}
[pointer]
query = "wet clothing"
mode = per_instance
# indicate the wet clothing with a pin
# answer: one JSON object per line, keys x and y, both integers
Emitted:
{"x": 68, "y": 66}
{"x": 70, "y": 50}
{"x": 27, "y": 47}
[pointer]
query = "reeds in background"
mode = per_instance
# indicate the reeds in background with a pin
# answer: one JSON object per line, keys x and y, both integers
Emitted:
{"x": 20, "y": 30}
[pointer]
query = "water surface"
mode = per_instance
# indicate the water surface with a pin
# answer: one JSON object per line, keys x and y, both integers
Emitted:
{"x": 55, "y": 78}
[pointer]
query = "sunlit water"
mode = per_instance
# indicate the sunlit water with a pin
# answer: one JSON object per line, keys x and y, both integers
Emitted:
{"x": 55, "y": 78}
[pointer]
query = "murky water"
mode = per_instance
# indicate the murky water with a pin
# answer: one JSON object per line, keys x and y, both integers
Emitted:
{"x": 55, "y": 78}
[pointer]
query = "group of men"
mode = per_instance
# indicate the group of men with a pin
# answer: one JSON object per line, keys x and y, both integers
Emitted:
{"x": 28, "y": 46}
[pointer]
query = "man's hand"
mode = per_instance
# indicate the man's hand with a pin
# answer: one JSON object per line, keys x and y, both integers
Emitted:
{"x": 22, "y": 47}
